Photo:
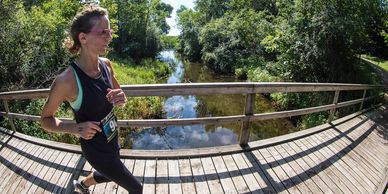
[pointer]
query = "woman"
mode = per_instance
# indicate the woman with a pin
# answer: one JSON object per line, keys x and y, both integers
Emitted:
{"x": 89, "y": 85}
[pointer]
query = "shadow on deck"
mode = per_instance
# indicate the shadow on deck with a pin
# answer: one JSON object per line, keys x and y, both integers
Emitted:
{"x": 348, "y": 157}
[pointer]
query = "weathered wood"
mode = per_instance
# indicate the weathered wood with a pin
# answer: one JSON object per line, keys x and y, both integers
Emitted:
{"x": 11, "y": 123}
{"x": 237, "y": 179}
{"x": 325, "y": 169}
{"x": 278, "y": 172}
{"x": 269, "y": 173}
{"x": 369, "y": 172}
{"x": 319, "y": 177}
{"x": 347, "y": 160}
{"x": 149, "y": 177}
{"x": 162, "y": 177}
{"x": 289, "y": 172}
{"x": 19, "y": 164}
{"x": 323, "y": 154}
{"x": 200, "y": 183}
{"x": 186, "y": 176}
{"x": 174, "y": 181}
{"x": 247, "y": 174}
{"x": 297, "y": 171}
{"x": 208, "y": 120}
{"x": 335, "y": 101}
{"x": 246, "y": 124}
{"x": 345, "y": 156}
{"x": 211, "y": 176}
{"x": 224, "y": 176}
{"x": 208, "y": 89}
{"x": 363, "y": 97}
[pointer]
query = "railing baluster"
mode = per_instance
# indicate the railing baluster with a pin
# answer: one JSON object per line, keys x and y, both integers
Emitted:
{"x": 5, "y": 102}
{"x": 246, "y": 124}
{"x": 335, "y": 101}
{"x": 363, "y": 99}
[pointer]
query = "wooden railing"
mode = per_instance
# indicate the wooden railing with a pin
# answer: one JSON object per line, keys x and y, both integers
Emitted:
{"x": 249, "y": 89}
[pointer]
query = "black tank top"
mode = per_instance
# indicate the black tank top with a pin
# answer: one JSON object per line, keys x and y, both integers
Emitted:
{"x": 94, "y": 107}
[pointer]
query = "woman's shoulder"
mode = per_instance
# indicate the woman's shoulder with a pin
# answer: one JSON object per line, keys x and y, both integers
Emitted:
{"x": 107, "y": 62}
{"x": 66, "y": 79}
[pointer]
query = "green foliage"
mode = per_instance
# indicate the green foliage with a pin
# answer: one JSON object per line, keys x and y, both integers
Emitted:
{"x": 189, "y": 25}
{"x": 169, "y": 42}
{"x": 31, "y": 52}
{"x": 141, "y": 23}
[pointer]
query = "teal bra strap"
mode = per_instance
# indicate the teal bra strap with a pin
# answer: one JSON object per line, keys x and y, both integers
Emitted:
{"x": 76, "y": 105}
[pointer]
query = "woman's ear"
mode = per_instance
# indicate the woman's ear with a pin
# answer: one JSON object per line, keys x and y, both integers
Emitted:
{"x": 82, "y": 38}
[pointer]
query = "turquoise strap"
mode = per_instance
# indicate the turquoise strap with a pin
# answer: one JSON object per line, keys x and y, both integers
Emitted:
{"x": 76, "y": 105}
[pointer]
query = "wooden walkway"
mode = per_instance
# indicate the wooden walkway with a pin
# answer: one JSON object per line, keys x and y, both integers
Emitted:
{"x": 349, "y": 155}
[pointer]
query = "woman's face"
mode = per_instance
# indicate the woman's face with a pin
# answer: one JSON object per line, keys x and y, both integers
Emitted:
{"x": 99, "y": 37}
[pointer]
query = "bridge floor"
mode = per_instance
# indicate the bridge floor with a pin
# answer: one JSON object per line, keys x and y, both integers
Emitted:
{"x": 349, "y": 157}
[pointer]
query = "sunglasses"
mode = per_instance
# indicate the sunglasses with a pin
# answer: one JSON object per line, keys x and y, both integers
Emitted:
{"x": 103, "y": 32}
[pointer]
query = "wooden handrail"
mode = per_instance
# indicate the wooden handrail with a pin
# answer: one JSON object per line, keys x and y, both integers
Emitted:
{"x": 207, "y": 89}
{"x": 247, "y": 88}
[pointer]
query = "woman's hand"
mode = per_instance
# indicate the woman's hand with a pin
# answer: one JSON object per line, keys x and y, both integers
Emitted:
{"x": 87, "y": 129}
{"x": 116, "y": 97}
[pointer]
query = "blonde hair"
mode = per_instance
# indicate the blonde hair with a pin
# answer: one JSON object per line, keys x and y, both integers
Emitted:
{"x": 83, "y": 21}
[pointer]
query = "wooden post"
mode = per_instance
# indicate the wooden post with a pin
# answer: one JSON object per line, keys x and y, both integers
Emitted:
{"x": 335, "y": 101}
{"x": 5, "y": 102}
{"x": 249, "y": 108}
{"x": 363, "y": 99}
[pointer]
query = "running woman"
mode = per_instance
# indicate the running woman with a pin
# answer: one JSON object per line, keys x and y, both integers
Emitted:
{"x": 90, "y": 86}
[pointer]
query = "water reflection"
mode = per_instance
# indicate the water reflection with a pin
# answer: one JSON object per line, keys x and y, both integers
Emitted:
{"x": 177, "y": 137}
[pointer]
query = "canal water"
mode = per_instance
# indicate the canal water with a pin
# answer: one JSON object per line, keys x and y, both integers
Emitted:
{"x": 195, "y": 136}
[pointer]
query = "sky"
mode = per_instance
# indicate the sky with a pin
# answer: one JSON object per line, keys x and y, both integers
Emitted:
{"x": 176, "y": 4}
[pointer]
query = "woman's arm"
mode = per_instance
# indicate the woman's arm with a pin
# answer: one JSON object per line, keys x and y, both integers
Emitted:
{"x": 58, "y": 93}
{"x": 116, "y": 96}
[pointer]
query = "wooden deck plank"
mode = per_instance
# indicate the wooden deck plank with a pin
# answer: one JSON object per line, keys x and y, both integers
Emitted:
{"x": 149, "y": 176}
{"x": 138, "y": 170}
{"x": 174, "y": 181}
{"x": 297, "y": 169}
{"x": 58, "y": 172}
{"x": 42, "y": 169}
{"x": 330, "y": 174}
{"x": 224, "y": 176}
{"x": 13, "y": 153}
{"x": 289, "y": 171}
{"x": 269, "y": 173}
{"x": 22, "y": 164}
{"x": 363, "y": 152}
{"x": 247, "y": 174}
{"x": 258, "y": 173}
{"x": 57, "y": 179}
{"x": 324, "y": 154}
{"x": 186, "y": 176}
{"x": 50, "y": 172}
{"x": 366, "y": 149}
{"x": 67, "y": 173}
{"x": 308, "y": 166}
{"x": 7, "y": 153}
{"x": 234, "y": 172}
{"x": 21, "y": 181}
{"x": 355, "y": 159}
{"x": 347, "y": 163}
{"x": 282, "y": 177}
{"x": 42, "y": 182}
{"x": 161, "y": 176}
{"x": 211, "y": 176}
{"x": 200, "y": 182}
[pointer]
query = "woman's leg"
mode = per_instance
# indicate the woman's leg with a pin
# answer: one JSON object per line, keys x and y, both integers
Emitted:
{"x": 116, "y": 171}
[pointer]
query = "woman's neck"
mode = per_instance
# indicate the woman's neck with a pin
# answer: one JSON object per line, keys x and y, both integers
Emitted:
{"x": 89, "y": 64}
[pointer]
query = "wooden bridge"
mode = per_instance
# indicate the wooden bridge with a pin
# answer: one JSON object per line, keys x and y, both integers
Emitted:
{"x": 346, "y": 155}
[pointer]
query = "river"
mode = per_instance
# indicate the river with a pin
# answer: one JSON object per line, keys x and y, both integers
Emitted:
{"x": 194, "y": 136}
